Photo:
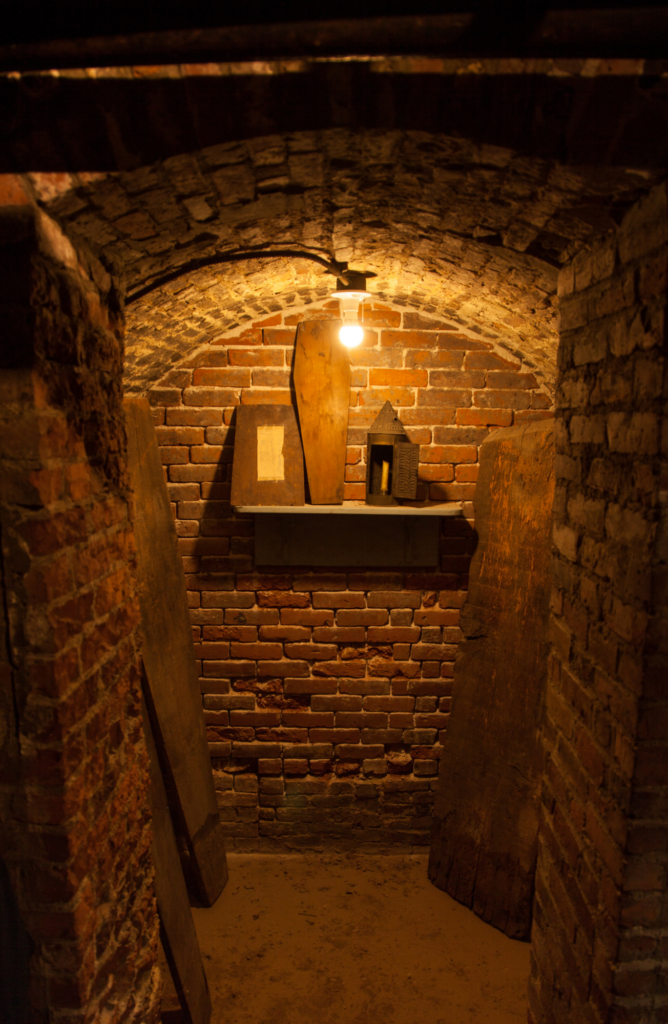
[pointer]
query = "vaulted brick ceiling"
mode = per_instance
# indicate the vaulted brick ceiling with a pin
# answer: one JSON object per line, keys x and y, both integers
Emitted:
{"x": 470, "y": 217}
{"x": 471, "y": 232}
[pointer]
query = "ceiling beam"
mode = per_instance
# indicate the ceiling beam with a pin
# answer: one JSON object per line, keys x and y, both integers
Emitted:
{"x": 510, "y": 31}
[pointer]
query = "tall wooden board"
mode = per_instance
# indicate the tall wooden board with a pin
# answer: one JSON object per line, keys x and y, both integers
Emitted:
{"x": 177, "y": 928}
{"x": 484, "y": 841}
{"x": 322, "y": 384}
{"x": 268, "y": 467}
{"x": 169, "y": 658}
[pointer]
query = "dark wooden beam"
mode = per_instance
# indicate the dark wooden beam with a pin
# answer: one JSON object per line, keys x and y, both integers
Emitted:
{"x": 475, "y": 30}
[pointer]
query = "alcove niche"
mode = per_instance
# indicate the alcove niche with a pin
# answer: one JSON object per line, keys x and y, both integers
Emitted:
{"x": 320, "y": 684}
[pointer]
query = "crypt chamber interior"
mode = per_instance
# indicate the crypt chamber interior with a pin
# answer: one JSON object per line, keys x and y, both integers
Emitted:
{"x": 465, "y": 692}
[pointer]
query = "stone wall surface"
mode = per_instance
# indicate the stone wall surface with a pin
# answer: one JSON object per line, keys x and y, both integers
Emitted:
{"x": 601, "y": 910}
{"x": 326, "y": 692}
{"x": 74, "y": 827}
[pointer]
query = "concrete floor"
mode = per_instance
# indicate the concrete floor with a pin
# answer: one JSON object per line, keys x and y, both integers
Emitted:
{"x": 345, "y": 939}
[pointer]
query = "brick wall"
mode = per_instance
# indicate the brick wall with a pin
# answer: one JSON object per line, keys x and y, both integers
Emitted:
{"x": 326, "y": 692}
{"x": 74, "y": 828}
{"x": 598, "y": 942}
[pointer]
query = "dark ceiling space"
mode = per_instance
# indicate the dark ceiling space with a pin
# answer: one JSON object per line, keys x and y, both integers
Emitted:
{"x": 80, "y": 34}
{"x": 106, "y": 124}
{"x": 76, "y": 19}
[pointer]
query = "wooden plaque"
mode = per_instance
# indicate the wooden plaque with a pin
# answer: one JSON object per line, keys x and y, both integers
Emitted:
{"x": 173, "y": 696}
{"x": 268, "y": 467}
{"x": 322, "y": 383}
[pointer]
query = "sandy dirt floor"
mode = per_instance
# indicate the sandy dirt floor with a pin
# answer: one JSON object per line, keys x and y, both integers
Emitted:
{"x": 345, "y": 939}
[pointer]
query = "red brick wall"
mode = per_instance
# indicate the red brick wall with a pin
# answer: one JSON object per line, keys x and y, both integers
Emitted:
{"x": 326, "y": 692}
{"x": 598, "y": 942}
{"x": 74, "y": 828}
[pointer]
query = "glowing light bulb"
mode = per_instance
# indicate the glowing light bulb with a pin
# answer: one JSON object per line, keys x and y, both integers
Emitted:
{"x": 351, "y": 335}
{"x": 350, "y": 332}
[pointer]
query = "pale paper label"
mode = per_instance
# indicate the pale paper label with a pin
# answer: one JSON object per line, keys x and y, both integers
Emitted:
{"x": 270, "y": 464}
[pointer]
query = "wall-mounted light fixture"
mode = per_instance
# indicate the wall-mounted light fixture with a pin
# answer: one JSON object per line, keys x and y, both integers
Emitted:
{"x": 351, "y": 294}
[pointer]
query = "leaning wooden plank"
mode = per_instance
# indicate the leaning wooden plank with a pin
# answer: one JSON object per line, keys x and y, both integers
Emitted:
{"x": 322, "y": 385}
{"x": 169, "y": 658}
{"x": 177, "y": 928}
{"x": 484, "y": 840}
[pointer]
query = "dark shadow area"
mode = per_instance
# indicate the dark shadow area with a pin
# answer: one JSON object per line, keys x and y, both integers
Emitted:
{"x": 76, "y": 19}
{"x": 69, "y": 124}
{"x": 15, "y": 951}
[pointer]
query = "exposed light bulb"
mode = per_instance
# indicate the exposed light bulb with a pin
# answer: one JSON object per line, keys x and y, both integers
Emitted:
{"x": 351, "y": 335}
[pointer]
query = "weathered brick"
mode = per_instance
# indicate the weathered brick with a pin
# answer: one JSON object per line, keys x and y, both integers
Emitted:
{"x": 338, "y": 599}
{"x": 489, "y": 399}
{"x": 311, "y": 651}
{"x": 448, "y": 453}
{"x": 221, "y": 377}
{"x": 270, "y": 397}
{"x": 256, "y": 650}
{"x": 409, "y": 378}
{"x": 428, "y": 358}
{"x": 256, "y": 750}
{"x": 367, "y": 617}
{"x": 339, "y": 702}
{"x": 361, "y": 719}
{"x": 484, "y": 417}
{"x": 256, "y": 357}
{"x": 248, "y": 615}
{"x": 359, "y": 751}
{"x": 282, "y": 599}
{"x": 307, "y": 617}
{"x": 337, "y": 635}
{"x": 179, "y": 435}
{"x": 309, "y": 719}
{"x": 292, "y": 633}
{"x": 255, "y": 719}
{"x": 309, "y": 685}
{"x": 334, "y": 735}
{"x": 399, "y": 599}
{"x": 229, "y": 669}
{"x": 393, "y": 634}
{"x": 203, "y": 397}
{"x": 340, "y": 668}
{"x": 282, "y": 668}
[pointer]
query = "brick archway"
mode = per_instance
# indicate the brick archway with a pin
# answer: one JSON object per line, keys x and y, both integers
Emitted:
{"x": 451, "y": 227}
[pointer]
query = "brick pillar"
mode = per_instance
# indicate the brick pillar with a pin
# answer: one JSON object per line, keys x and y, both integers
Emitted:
{"x": 74, "y": 823}
{"x": 598, "y": 945}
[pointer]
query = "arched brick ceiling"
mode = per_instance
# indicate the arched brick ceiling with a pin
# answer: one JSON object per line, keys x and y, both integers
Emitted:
{"x": 451, "y": 227}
